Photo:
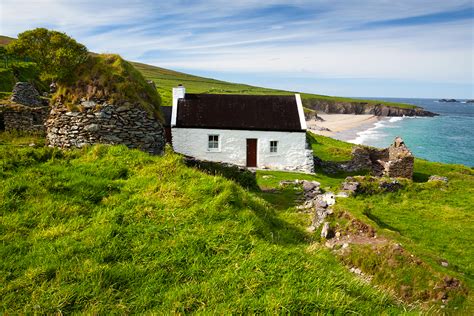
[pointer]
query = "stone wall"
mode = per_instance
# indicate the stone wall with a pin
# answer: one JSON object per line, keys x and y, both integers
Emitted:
{"x": 23, "y": 118}
{"x": 105, "y": 124}
{"x": 26, "y": 94}
{"x": 395, "y": 161}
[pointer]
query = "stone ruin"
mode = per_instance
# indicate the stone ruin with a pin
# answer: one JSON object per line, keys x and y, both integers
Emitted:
{"x": 99, "y": 122}
{"x": 399, "y": 163}
{"x": 26, "y": 94}
{"x": 26, "y": 111}
{"x": 395, "y": 161}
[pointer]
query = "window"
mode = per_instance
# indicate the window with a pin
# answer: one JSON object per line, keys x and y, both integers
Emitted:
{"x": 273, "y": 146}
{"x": 213, "y": 143}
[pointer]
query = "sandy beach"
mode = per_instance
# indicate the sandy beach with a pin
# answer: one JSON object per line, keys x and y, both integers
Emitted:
{"x": 339, "y": 123}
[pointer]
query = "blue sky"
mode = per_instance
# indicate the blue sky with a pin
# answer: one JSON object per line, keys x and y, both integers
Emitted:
{"x": 377, "y": 48}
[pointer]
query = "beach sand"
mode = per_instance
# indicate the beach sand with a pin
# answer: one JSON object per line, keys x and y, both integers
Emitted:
{"x": 337, "y": 123}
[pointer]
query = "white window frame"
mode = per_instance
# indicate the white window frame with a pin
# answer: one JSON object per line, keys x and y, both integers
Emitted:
{"x": 274, "y": 147}
{"x": 218, "y": 142}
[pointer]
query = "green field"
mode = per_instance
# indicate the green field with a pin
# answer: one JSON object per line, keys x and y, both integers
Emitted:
{"x": 166, "y": 79}
{"x": 112, "y": 230}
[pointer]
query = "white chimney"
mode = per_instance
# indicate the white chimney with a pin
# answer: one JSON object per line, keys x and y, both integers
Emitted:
{"x": 178, "y": 93}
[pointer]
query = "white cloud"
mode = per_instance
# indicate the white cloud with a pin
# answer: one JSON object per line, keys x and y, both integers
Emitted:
{"x": 224, "y": 36}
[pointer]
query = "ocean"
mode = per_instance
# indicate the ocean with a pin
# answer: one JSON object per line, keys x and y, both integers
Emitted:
{"x": 446, "y": 138}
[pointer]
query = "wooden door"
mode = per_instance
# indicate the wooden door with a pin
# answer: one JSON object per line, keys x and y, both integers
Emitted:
{"x": 251, "y": 152}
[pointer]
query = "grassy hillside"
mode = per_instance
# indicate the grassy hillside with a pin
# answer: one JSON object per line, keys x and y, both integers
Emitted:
{"x": 167, "y": 79}
{"x": 113, "y": 230}
{"x": 4, "y": 40}
{"x": 108, "y": 229}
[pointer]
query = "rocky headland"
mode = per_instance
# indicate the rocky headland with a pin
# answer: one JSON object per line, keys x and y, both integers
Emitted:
{"x": 377, "y": 109}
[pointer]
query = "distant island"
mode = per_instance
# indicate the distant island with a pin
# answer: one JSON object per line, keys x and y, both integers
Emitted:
{"x": 454, "y": 101}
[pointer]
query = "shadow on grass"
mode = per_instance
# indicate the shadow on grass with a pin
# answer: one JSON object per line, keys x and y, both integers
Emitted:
{"x": 378, "y": 221}
{"x": 280, "y": 199}
{"x": 274, "y": 229}
{"x": 420, "y": 177}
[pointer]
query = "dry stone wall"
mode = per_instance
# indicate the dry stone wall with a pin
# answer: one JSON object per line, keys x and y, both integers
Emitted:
{"x": 23, "y": 118}
{"x": 26, "y": 94}
{"x": 395, "y": 161}
{"x": 105, "y": 124}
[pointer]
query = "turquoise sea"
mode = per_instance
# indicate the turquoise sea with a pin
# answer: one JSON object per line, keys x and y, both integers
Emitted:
{"x": 446, "y": 138}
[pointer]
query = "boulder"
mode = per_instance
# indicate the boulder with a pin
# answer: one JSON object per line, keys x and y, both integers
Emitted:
{"x": 350, "y": 186}
{"x": 438, "y": 178}
{"x": 325, "y": 230}
{"x": 310, "y": 185}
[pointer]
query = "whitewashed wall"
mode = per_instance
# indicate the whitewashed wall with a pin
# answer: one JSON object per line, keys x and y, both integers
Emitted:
{"x": 292, "y": 153}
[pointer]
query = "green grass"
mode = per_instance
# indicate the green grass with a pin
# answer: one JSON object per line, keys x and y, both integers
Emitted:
{"x": 167, "y": 79}
{"x": 329, "y": 149}
{"x": 309, "y": 97}
{"x": 111, "y": 78}
{"x": 432, "y": 219}
{"x": 112, "y": 230}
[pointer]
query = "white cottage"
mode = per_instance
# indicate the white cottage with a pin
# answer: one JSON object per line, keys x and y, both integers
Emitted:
{"x": 260, "y": 131}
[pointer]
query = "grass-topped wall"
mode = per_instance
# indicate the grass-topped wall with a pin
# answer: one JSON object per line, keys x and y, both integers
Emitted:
{"x": 109, "y": 78}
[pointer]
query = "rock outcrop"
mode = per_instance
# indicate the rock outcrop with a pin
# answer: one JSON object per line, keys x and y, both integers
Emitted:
{"x": 25, "y": 93}
{"x": 332, "y": 107}
{"x": 106, "y": 124}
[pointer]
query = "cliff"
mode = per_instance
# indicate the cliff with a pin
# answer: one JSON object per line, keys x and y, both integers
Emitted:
{"x": 352, "y": 107}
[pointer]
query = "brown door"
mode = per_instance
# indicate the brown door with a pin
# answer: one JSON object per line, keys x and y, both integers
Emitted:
{"x": 251, "y": 152}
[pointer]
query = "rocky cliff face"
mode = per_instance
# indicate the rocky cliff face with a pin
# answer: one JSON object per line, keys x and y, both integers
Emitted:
{"x": 333, "y": 107}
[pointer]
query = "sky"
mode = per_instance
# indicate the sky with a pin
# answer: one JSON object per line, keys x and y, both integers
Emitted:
{"x": 359, "y": 48}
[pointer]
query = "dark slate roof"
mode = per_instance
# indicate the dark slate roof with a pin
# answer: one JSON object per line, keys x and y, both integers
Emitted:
{"x": 166, "y": 111}
{"x": 241, "y": 112}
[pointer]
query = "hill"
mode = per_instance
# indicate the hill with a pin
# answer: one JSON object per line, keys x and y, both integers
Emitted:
{"x": 108, "y": 229}
{"x": 112, "y": 230}
{"x": 166, "y": 79}
{"x": 4, "y": 40}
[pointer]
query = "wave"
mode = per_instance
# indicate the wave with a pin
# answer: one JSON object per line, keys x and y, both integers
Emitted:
{"x": 396, "y": 119}
{"x": 368, "y": 134}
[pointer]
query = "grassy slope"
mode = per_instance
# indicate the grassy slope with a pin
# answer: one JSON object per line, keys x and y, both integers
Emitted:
{"x": 109, "y": 230}
{"x": 93, "y": 209}
{"x": 4, "y": 40}
{"x": 167, "y": 79}
{"x": 433, "y": 220}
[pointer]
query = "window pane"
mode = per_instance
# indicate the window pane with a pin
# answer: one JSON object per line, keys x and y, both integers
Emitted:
{"x": 273, "y": 146}
{"x": 213, "y": 142}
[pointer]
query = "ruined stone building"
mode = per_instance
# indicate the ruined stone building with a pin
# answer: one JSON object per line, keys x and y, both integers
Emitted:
{"x": 25, "y": 111}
